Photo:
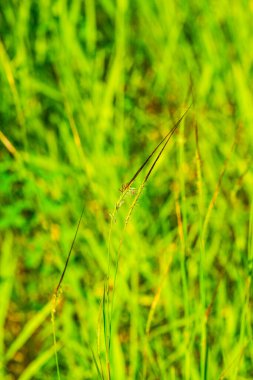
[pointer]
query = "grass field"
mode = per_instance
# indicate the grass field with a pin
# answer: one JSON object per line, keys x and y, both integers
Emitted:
{"x": 159, "y": 284}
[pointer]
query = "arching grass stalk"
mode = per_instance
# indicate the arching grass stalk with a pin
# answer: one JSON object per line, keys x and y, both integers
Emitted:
{"x": 124, "y": 190}
{"x": 58, "y": 291}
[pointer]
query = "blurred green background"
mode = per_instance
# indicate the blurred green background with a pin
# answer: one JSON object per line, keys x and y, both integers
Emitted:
{"x": 88, "y": 89}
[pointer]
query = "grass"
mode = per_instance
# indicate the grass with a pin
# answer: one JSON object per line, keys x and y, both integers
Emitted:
{"x": 89, "y": 89}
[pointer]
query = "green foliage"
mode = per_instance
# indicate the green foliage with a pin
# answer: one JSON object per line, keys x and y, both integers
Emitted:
{"x": 89, "y": 88}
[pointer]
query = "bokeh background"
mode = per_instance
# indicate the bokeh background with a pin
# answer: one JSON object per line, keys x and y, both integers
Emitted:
{"x": 88, "y": 89}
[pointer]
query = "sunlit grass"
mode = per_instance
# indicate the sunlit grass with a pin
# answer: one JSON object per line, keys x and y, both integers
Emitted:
{"x": 88, "y": 91}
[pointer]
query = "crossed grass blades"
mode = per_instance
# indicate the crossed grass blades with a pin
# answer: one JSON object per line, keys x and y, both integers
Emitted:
{"x": 107, "y": 310}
